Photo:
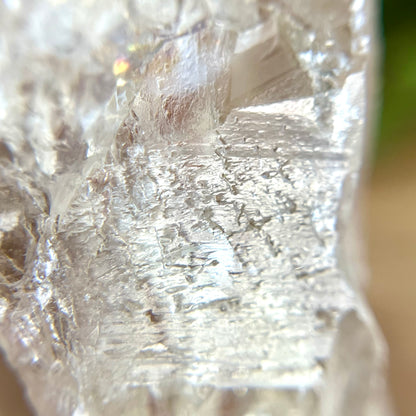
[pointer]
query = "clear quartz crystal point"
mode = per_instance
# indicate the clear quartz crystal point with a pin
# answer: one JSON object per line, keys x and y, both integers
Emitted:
{"x": 178, "y": 183}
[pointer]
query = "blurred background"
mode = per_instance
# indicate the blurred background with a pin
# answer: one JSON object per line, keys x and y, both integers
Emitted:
{"x": 390, "y": 203}
{"x": 389, "y": 214}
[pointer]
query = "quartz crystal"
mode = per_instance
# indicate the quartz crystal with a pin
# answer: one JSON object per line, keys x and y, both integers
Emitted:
{"x": 178, "y": 189}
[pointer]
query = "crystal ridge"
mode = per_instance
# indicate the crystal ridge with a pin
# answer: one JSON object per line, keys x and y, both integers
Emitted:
{"x": 177, "y": 196}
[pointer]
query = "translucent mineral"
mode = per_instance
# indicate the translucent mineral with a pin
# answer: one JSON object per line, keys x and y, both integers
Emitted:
{"x": 178, "y": 193}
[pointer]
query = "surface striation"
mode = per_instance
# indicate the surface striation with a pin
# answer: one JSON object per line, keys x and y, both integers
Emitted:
{"x": 177, "y": 187}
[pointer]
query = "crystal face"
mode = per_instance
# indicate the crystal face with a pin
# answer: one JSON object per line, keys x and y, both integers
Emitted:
{"x": 177, "y": 193}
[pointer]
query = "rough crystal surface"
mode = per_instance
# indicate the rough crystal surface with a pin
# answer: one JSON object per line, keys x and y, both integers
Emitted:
{"x": 177, "y": 192}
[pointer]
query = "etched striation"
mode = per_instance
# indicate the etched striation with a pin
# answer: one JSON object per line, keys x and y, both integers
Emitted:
{"x": 177, "y": 193}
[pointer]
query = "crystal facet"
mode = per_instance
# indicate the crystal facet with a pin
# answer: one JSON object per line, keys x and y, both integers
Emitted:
{"x": 176, "y": 217}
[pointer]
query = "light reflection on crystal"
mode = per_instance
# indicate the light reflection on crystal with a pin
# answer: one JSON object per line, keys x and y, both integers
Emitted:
{"x": 120, "y": 66}
{"x": 181, "y": 193}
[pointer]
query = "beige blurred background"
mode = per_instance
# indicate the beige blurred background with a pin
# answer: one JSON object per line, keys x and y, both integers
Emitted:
{"x": 389, "y": 216}
{"x": 390, "y": 221}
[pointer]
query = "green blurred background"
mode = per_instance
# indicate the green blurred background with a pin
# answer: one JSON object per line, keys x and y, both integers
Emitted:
{"x": 390, "y": 203}
{"x": 398, "y": 118}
